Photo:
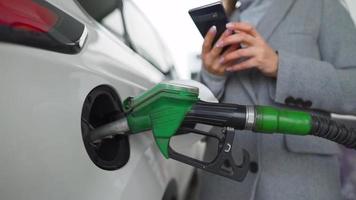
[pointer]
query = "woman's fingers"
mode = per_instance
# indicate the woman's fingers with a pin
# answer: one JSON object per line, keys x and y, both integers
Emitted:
{"x": 257, "y": 52}
{"x": 237, "y": 54}
{"x": 216, "y": 50}
{"x": 208, "y": 40}
{"x": 237, "y": 38}
{"x": 243, "y": 27}
{"x": 250, "y": 63}
{"x": 230, "y": 49}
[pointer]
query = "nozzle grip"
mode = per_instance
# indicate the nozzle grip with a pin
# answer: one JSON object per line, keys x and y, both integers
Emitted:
{"x": 223, "y": 164}
{"x": 217, "y": 114}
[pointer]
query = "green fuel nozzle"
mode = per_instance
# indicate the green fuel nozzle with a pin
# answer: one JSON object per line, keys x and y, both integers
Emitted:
{"x": 162, "y": 110}
{"x": 171, "y": 109}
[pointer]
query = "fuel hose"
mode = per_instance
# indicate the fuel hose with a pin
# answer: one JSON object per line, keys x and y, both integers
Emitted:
{"x": 267, "y": 119}
{"x": 331, "y": 130}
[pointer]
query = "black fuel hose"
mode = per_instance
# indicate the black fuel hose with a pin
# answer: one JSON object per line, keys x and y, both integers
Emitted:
{"x": 329, "y": 129}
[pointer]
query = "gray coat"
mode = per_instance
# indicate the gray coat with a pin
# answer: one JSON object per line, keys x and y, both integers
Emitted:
{"x": 316, "y": 41}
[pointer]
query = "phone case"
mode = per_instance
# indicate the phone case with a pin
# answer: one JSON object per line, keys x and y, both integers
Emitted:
{"x": 210, "y": 15}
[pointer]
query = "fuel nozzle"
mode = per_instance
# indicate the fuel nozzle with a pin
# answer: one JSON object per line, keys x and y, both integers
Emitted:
{"x": 171, "y": 109}
{"x": 165, "y": 110}
{"x": 160, "y": 109}
{"x": 113, "y": 128}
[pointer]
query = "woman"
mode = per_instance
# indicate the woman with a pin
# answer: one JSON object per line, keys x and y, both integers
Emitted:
{"x": 297, "y": 53}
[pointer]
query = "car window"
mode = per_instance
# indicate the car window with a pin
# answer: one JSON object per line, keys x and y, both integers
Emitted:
{"x": 130, "y": 25}
{"x": 144, "y": 38}
{"x": 107, "y": 13}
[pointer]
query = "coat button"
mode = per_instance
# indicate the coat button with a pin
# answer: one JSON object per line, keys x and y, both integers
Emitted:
{"x": 289, "y": 100}
{"x": 299, "y": 102}
{"x": 253, "y": 167}
{"x": 307, "y": 104}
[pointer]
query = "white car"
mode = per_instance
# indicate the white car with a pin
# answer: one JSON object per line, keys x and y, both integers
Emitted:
{"x": 63, "y": 72}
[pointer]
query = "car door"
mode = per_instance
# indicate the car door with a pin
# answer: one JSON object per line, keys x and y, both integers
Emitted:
{"x": 47, "y": 91}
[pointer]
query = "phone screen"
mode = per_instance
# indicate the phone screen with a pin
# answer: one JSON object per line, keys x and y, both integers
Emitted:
{"x": 210, "y": 15}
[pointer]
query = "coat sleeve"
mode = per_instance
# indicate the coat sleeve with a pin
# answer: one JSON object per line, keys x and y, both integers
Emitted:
{"x": 214, "y": 82}
{"x": 330, "y": 84}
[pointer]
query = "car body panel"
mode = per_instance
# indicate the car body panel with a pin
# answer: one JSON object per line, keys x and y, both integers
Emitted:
{"x": 42, "y": 151}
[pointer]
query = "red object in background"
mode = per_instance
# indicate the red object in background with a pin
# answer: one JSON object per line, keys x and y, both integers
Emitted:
{"x": 26, "y": 15}
{"x": 37, "y": 23}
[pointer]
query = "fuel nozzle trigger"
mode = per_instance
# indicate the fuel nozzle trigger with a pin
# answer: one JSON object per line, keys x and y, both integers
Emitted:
{"x": 224, "y": 163}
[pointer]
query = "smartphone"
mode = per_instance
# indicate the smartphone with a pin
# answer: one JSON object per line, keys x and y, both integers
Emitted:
{"x": 210, "y": 15}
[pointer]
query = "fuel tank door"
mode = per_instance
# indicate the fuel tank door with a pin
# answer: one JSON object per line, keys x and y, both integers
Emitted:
{"x": 102, "y": 106}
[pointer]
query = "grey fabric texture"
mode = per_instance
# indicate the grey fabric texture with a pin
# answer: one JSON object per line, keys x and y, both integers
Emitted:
{"x": 255, "y": 11}
{"x": 316, "y": 41}
{"x": 246, "y": 3}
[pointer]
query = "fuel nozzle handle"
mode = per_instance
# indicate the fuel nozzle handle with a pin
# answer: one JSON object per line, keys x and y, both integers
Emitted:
{"x": 217, "y": 114}
{"x": 264, "y": 119}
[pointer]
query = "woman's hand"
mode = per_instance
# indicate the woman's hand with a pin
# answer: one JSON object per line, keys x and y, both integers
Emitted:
{"x": 211, "y": 54}
{"x": 255, "y": 49}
